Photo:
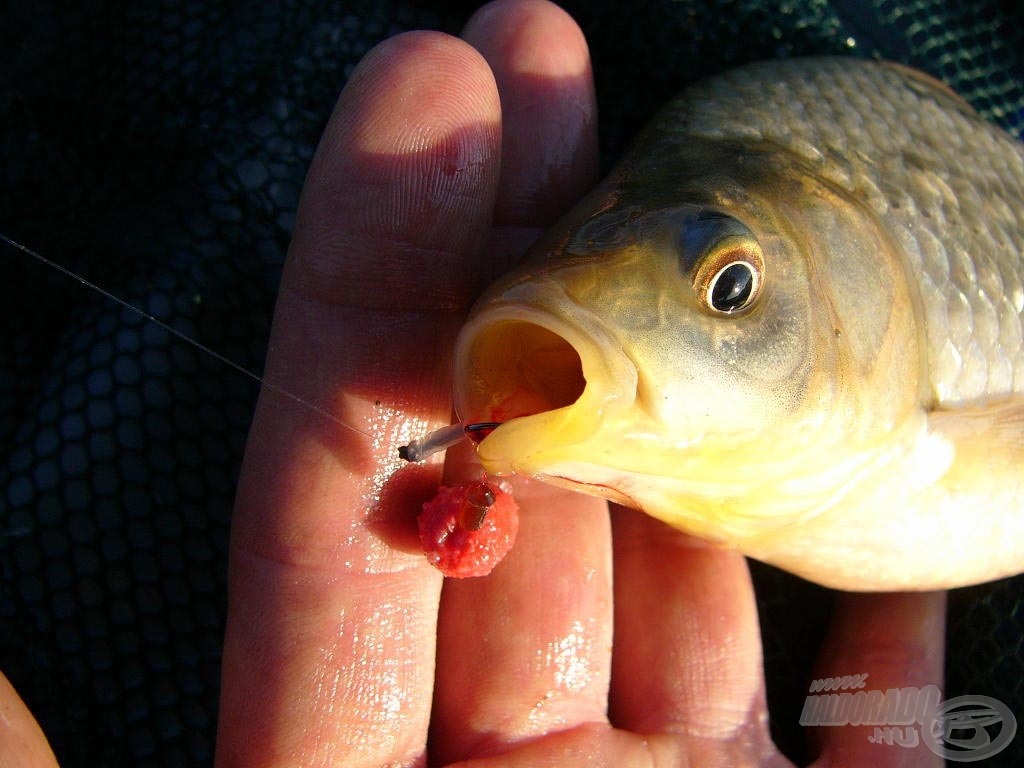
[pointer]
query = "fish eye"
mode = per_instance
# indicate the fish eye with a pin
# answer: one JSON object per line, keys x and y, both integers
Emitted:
{"x": 732, "y": 287}
{"x": 725, "y": 261}
{"x": 728, "y": 279}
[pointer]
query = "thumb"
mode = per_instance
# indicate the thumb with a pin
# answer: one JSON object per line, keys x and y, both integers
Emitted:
{"x": 22, "y": 743}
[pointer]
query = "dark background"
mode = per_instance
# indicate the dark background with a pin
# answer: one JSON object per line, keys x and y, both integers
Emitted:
{"x": 158, "y": 148}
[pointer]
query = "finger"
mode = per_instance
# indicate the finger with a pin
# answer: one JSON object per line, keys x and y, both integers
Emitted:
{"x": 549, "y": 145}
{"x": 329, "y": 647}
{"x": 22, "y": 743}
{"x": 897, "y": 641}
{"x": 687, "y": 645}
{"x": 526, "y": 650}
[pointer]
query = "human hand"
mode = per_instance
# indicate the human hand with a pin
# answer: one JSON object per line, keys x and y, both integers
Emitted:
{"x": 342, "y": 648}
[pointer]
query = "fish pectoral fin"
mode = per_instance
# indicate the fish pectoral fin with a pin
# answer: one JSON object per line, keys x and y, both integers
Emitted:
{"x": 989, "y": 444}
{"x": 948, "y": 512}
{"x": 979, "y": 508}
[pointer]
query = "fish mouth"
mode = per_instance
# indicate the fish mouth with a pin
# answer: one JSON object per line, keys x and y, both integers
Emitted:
{"x": 548, "y": 380}
{"x": 518, "y": 369}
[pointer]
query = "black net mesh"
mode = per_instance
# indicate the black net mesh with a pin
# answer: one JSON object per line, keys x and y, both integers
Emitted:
{"x": 158, "y": 148}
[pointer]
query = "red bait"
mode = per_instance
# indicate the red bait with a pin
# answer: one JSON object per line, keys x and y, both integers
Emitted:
{"x": 467, "y": 529}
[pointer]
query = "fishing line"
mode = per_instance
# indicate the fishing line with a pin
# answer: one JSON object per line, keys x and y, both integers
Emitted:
{"x": 178, "y": 334}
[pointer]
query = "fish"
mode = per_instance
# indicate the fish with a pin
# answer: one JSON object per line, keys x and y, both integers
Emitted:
{"x": 789, "y": 322}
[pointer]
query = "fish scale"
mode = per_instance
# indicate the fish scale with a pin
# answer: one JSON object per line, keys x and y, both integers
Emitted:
{"x": 908, "y": 161}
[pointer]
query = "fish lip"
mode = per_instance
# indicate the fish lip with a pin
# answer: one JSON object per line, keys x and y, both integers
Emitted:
{"x": 523, "y": 444}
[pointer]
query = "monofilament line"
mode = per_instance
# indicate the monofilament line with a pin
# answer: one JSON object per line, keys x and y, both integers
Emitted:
{"x": 178, "y": 334}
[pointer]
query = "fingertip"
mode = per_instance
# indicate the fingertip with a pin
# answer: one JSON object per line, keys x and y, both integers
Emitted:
{"x": 404, "y": 180}
{"x": 412, "y": 87}
{"x": 546, "y": 40}
{"x": 541, "y": 64}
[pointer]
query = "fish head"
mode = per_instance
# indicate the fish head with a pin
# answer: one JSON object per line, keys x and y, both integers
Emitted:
{"x": 715, "y": 336}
